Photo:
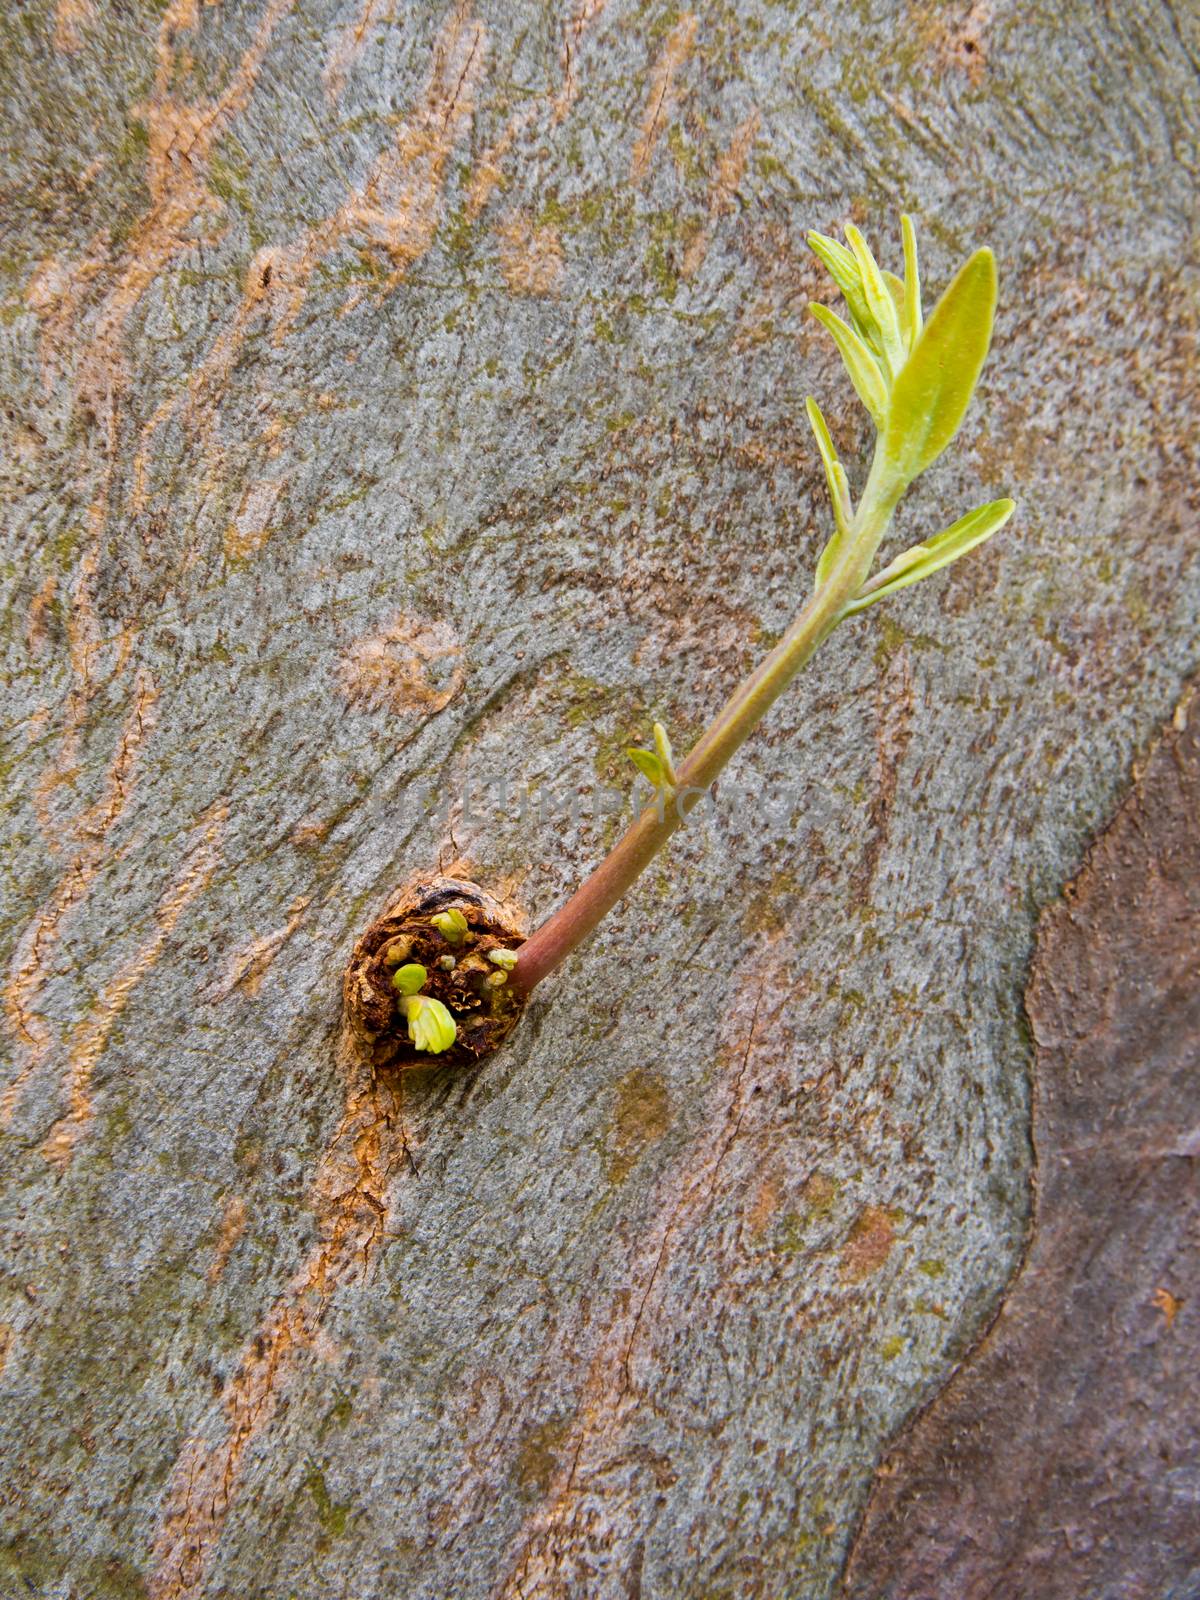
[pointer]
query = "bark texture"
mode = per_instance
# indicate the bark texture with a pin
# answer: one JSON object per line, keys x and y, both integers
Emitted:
{"x": 1064, "y": 1459}
{"x": 399, "y": 397}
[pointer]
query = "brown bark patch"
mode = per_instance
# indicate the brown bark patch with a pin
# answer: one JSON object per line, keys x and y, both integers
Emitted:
{"x": 411, "y": 665}
{"x": 958, "y": 37}
{"x": 538, "y": 1456}
{"x": 868, "y": 1244}
{"x": 69, "y": 16}
{"x": 1056, "y": 1461}
{"x": 641, "y": 1116}
{"x": 531, "y": 258}
{"x": 233, "y": 1225}
{"x": 765, "y": 1206}
{"x": 730, "y": 171}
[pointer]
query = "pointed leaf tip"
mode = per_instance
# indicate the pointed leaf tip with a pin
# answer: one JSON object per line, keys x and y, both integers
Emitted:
{"x": 835, "y": 477}
{"x": 647, "y": 764}
{"x": 666, "y": 756}
{"x": 931, "y": 394}
{"x": 912, "y": 281}
{"x": 843, "y": 268}
{"x": 884, "y": 321}
{"x": 927, "y": 558}
{"x": 859, "y": 362}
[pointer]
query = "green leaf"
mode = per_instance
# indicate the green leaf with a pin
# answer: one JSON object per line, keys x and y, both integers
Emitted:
{"x": 844, "y": 270}
{"x": 648, "y": 765}
{"x": 430, "y": 1025}
{"x": 880, "y": 304}
{"x": 839, "y": 493}
{"x": 912, "y": 282}
{"x": 896, "y": 288}
{"x": 835, "y": 477}
{"x": 666, "y": 756}
{"x": 931, "y": 395}
{"x": 940, "y": 551}
{"x": 408, "y": 979}
{"x": 452, "y": 925}
{"x": 860, "y": 364}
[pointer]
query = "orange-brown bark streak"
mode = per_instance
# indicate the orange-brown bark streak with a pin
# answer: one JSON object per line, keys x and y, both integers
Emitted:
{"x": 30, "y": 967}
{"x": 351, "y": 1201}
{"x": 399, "y": 206}
{"x": 659, "y": 106}
{"x": 181, "y": 141}
{"x": 726, "y": 181}
{"x": 92, "y": 1034}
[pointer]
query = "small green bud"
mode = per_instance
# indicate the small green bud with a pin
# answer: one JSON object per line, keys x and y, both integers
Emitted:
{"x": 447, "y": 963}
{"x": 666, "y": 756}
{"x": 648, "y": 765}
{"x": 430, "y": 1025}
{"x": 409, "y": 979}
{"x": 658, "y": 764}
{"x": 452, "y": 926}
{"x": 503, "y": 958}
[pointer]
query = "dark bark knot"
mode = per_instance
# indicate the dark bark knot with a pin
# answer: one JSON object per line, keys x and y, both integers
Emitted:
{"x": 459, "y": 973}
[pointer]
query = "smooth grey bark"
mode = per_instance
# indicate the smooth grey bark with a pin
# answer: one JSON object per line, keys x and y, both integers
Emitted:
{"x": 399, "y": 398}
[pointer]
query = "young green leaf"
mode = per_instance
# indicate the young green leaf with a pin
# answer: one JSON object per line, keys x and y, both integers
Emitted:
{"x": 430, "y": 1025}
{"x": 880, "y": 304}
{"x": 912, "y": 282}
{"x": 835, "y": 477}
{"x": 931, "y": 394}
{"x": 940, "y": 551}
{"x": 666, "y": 756}
{"x": 648, "y": 765}
{"x": 839, "y": 493}
{"x": 844, "y": 270}
{"x": 896, "y": 287}
{"x": 860, "y": 364}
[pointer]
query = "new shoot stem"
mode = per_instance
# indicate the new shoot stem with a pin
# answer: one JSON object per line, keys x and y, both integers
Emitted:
{"x": 916, "y": 379}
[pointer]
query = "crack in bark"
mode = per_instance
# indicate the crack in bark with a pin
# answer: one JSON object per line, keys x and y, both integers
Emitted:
{"x": 674, "y": 53}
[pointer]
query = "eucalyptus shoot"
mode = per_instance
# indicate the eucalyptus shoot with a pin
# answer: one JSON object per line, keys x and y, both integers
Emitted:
{"x": 915, "y": 377}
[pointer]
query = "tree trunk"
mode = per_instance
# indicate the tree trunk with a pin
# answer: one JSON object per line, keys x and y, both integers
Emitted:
{"x": 403, "y": 406}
